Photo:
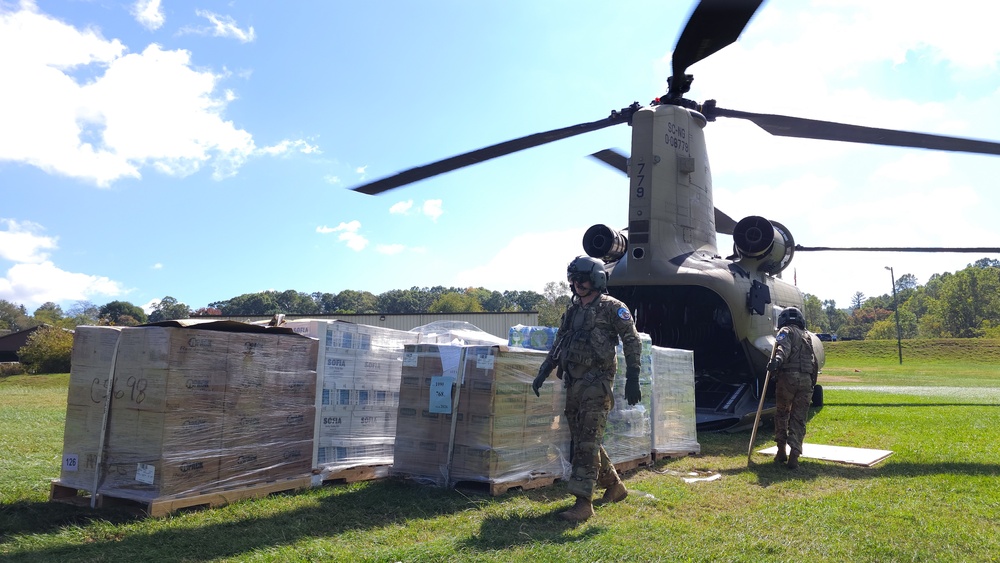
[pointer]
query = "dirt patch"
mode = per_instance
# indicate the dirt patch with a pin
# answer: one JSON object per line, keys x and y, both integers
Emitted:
{"x": 838, "y": 379}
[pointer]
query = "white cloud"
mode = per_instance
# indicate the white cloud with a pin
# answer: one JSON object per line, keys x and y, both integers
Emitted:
{"x": 507, "y": 269}
{"x": 348, "y": 234}
{"x": 34, "y": 284}
{"x": 33, "y": 279}
{"x": 401, "y": 208}
{"x": 389, "y": 249}
{"x": 331, "y": 179}
{"x": 20, "y": 242}
{"x": 287, "y": 146}
{"x": 148, "y": 109}
{"x": 149, "y": 13}
{"x": 432, "y": 209}
{"x": 157, "y": 266}
{"x": 222, "y": 26}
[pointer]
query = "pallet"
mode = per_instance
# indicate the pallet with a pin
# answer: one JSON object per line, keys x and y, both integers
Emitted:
{"x": 494, "y": 488}
{"x": 661, "y": 455}
{"x": 163, "y": 506}
{"x": 633, "y": 464}
{"x": 350, "y": 474}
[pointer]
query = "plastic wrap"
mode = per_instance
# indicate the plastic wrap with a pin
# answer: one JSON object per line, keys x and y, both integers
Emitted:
{"x": 674, "y": 422}
{"x": 467, "y": 413}
{"x": 359, "y": 369}
{"x": 190, "y": 410}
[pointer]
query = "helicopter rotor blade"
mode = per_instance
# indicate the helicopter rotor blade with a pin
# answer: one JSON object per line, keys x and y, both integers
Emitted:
{"x": 613, "y": 158}
{"x": 785, "y": 126}
{"x": 486, "y": 153}
{"x": 713, "y": 24}
{"x": 724, "y": 224}
{"x": 978, "y": 249}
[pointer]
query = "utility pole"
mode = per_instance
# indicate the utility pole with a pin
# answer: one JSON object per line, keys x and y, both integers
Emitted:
{"x": 895, "y": 305}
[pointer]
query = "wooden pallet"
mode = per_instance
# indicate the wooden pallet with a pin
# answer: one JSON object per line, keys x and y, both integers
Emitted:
{"x": 661, "y": 455}
{"x": 633, "y": 464}
{"x": 350, "y": 474}
{"x": 494, "y": 488}
{"x": 163, "y": 506}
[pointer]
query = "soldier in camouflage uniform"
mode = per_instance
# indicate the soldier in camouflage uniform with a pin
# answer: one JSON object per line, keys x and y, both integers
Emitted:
{"x": 585, "y": 355}
{"x": 795, "y": 369}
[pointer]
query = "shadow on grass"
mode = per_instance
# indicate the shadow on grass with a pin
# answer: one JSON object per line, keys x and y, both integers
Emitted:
{"x": 338, "y": 509}
{"x": 502, "y": 532}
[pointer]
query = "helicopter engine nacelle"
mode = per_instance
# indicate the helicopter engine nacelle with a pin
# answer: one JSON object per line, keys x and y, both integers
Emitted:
{"x": 767, "y": 242}
{"x": 604, "y": 243}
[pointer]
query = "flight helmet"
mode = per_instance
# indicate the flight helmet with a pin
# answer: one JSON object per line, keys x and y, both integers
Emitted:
{"x": 791, "y": 315}
{"x": 589, "y": 268}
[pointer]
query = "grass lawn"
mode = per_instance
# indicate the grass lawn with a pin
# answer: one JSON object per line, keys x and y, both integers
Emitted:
{"x": 935, "y": 499}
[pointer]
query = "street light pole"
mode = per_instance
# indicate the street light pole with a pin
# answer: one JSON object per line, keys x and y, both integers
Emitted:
{"x": 895, "y": 305}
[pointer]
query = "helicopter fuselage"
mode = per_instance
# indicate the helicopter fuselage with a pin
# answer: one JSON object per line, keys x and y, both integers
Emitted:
{"x": 669, "y": 271}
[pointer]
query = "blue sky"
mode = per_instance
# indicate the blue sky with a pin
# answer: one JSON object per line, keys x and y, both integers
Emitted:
{"x": 203, "y": 150}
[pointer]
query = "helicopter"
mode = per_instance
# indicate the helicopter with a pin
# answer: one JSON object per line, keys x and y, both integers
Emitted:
{"x": 665, "y": 263}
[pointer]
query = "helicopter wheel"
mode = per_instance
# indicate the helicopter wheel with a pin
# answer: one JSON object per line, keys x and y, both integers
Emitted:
{"x": 817, "y": 399}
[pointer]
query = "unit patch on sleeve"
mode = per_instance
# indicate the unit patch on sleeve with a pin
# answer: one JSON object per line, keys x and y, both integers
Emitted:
{"x": 623, "y": 314}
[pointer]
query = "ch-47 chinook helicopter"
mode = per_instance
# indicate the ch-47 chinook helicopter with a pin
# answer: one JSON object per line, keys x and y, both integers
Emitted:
{"x": 666, "y": 265}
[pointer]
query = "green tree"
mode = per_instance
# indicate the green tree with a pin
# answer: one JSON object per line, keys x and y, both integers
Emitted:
{"x": 525, "y": 300}
{"x": 969, "y": 300}
{"x": 121, "y": 313}
{"x": 860, "y": 322}
{"x": 456, "y": 303}
{"x": 49, "y": 313}
{"x": 885, "y": 329}
{"x": 168, "y": 309}
{"x": 557, "y": 297}
{"x": 14, "y": 317}
{"x": 816, "y": 320}
{"x": 296, "y": 303}
{"x": 857, "y": 300}
{"x": 84, "y": 313}
{"x": 351, "y": 302}
{"x": 47, "y": 350}
{"x": 400, "y": 302}
{"x": 835, "y": 317}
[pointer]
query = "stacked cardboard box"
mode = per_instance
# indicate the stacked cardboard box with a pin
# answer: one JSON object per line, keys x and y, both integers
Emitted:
{"x": 496, "y": 431}
{"x": 359, "y": 369}
{"x": 192, "y": 409}
{"x": 91, "y": 363}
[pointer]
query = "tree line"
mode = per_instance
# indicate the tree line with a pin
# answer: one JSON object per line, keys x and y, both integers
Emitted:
{"x": 964, "y": 304}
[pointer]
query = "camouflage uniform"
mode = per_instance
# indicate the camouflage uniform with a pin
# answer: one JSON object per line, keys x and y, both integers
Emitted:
{"x": 585, "y": 354}
{"x": 794, "y": 385}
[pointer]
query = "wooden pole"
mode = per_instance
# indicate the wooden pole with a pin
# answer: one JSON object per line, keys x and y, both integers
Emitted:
{"x": 760, "y": 406}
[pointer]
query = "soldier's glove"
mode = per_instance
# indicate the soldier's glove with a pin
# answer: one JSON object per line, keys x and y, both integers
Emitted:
{"x": 773, "y": 365}
{"x": 543, "y": 373}
{"x": 632, "y": 393}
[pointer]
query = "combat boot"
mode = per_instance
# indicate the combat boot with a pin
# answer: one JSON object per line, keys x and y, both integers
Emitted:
{"x": 780, "y": 457}
{"x": 581, "y": 511}
{"x": 793, "y": 459}
{"x": 615, "y": 493}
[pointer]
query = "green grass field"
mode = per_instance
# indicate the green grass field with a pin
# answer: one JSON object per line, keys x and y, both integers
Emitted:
{"x": 935, "y": 499}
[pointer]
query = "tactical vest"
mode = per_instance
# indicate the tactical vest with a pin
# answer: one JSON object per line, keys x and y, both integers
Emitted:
{"x": 801, "y": 357}
{"x": 585, "y": 342}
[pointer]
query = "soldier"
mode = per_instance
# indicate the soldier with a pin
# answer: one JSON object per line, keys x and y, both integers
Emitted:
{"x": 584, "y": 353}
{"x": 795, "y": 369}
